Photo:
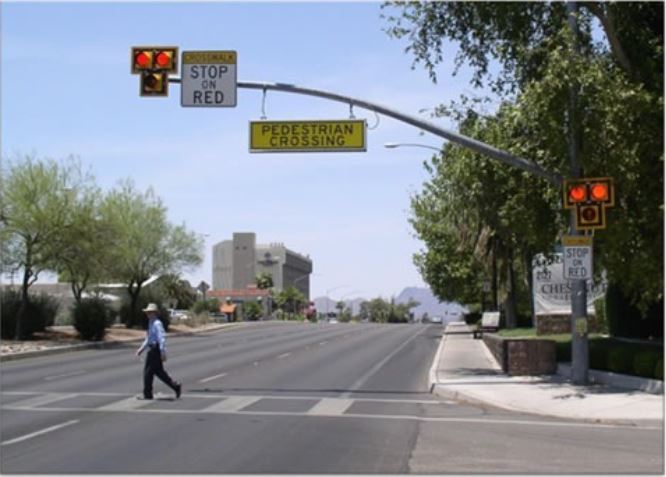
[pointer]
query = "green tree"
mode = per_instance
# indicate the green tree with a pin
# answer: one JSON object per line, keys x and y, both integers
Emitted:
{"x": 178, "y": 290}
{"x": 264, "y": 281}
{"x": 82, "y": 254}
{"x": 290, "y": 300}
{"x": 35, "y": 214}
{"x": 619, "y": 83}
{"x": 146, "y": 243}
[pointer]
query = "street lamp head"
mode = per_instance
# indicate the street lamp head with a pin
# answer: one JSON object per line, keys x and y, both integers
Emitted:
{"x": 393, "y": 145}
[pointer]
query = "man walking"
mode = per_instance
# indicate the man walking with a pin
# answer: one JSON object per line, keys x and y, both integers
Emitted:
{"x": 156, "y": 343}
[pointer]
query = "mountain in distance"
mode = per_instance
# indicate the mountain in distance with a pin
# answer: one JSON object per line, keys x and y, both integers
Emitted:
{"x": 428, "y": 303}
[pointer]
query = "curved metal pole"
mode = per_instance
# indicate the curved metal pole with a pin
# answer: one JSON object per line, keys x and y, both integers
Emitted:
{"x": 460, "y": 139}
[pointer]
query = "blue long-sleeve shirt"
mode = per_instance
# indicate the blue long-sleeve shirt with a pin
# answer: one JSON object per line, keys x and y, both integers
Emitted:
{"x": 155, "y": 335}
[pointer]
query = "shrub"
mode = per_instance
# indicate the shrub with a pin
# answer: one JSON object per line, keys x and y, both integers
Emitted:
{"x": 599, "y": 354}
{"x": 659, "y": 369}
{"x": 91, "y": 318}
{"x": 644, "y": 363}
{"x": 40, "y": 313}
{"x": 620, "y": 360}
{"x": 252, "y": 310}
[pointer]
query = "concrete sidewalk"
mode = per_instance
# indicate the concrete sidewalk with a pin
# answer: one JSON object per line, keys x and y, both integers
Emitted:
{"x": 465, "y": 370}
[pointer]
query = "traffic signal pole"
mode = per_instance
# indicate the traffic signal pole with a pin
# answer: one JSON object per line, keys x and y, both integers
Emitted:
{"x": 465, "y": 141}
{"x": 579, "y": 342}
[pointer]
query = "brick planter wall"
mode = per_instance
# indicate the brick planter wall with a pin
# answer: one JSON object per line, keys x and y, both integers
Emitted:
{"x": 523, "y": 357}
{"x": 561, "y": 324}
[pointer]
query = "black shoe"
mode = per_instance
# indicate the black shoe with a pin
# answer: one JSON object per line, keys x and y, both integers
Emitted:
{"x": 179, "y": 387}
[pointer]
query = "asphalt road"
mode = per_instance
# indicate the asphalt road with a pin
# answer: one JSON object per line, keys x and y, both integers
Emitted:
{"x": 287, "y": 398}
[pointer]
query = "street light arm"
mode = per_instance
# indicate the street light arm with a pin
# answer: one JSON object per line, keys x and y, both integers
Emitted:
{"x": 473, "y": 144}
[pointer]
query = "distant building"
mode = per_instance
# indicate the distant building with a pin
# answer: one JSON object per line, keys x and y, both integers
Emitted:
{"x": 237, "y": 262}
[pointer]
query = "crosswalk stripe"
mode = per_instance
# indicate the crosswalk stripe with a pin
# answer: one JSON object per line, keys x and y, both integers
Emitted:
{"x": 128, "y": 404}
{"x": 331, "y": 407}
{"x": 232, "y": 404}
{"x": 42, "y": 400}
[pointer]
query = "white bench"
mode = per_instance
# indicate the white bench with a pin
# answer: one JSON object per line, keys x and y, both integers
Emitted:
{"x": 489, "y": 323}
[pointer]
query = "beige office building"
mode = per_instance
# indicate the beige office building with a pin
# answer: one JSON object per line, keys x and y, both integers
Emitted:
{"x": 237, "y": 262}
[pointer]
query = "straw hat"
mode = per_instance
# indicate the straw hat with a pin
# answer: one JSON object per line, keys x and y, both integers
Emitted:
{"x": 151, "y": 307}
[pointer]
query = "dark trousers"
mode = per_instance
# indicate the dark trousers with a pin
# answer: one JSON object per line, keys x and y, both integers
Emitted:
{"x": 154, "y": 367}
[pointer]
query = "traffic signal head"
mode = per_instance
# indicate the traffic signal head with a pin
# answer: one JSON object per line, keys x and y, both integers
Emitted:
{"x": 154, "y": 84}
{"x": 590, "y": 197}
{"x": 155, "y": 58}
{"x": 591, "y": 216}
{"x": 588, "y": 191}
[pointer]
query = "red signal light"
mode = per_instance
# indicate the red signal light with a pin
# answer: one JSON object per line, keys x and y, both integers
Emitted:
{"x": 599, "y": 192}
{"x": 143, "y": 59}
{"x": 163, "y": 59}
{"x": 577, "y": 193}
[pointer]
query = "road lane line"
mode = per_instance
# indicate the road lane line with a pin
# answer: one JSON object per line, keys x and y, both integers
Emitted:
{"x": 363, "y": 379}
{"x": 42, "y": 400}
{"x": 284, "y": 355}
{"x": 38, "y": 433}
{"x": 331, "y": 407}
{"x": 323, "y": 343}
{"x": 66, "y": 375}
{"x": 232, "y": 404}
{"x": 221, "y": 375}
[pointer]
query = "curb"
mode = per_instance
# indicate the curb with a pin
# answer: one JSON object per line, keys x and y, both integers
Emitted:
{"x": 625, "y": 381}
{"x": 432, "y": 374}
{"x": 101, "y": 345}
{"x": 463, "y": 397}
{"x": 442, "y": 390}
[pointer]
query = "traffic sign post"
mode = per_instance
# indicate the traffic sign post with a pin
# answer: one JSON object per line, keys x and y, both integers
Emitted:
{"x": 209, "y": 79}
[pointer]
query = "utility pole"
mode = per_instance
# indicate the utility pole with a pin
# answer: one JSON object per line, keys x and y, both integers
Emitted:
{"x": 579, "y": 343}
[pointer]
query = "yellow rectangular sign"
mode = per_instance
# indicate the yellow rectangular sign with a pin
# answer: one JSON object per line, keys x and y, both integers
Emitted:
{"x": 577, "y": 241}
{"x": 224, "y": 57}
{"x": 347, "y": 135}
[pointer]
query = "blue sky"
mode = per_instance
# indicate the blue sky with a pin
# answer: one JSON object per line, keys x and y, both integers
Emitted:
{"x": 67, "y": 89}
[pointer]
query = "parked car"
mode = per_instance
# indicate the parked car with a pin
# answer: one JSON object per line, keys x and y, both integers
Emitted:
{"x": 178, "y": 314}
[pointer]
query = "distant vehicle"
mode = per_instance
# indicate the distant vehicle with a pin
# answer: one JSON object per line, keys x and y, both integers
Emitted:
{"x": 433, "y": 319}
{"x": 178, "y": 314}
{"x": 333, "y": 320}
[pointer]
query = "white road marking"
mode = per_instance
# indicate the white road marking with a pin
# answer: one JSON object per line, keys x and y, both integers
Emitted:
{"x": 330, "y": 407}
{"x": 232, "y": 404}
{"x": 38, "y": 433}
{"x": 323, "y": 343}
{"x": 66, "y": 375}
{"x": 128, "y": 404}
{"x": 362, "y": 380}
{"x": 221, "y": 375}
{"x": 284, "y": 355}
{"x": 256, "y": 363}
{"x": 41, "y": 400}
{"x": 503, "y": 422}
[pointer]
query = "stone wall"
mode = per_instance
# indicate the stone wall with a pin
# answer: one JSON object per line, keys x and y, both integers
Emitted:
{"x": 522, "y": 357}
